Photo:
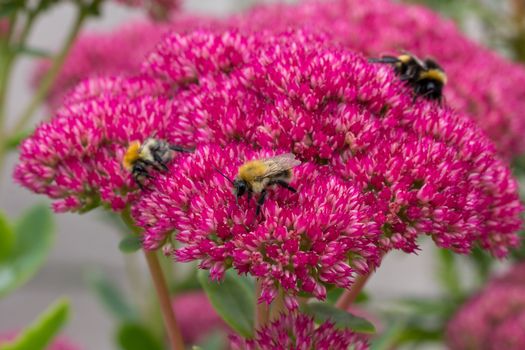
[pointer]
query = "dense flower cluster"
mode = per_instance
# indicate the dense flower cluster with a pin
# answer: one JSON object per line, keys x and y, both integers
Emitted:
{"x": 196, "y": 316}
{"x": 482, "y": 85}
{"x": 76, "y": 157}
{"x": 59, "y": 343}
{"x": 493, "y": 319}
{"x": 297, "y": 331}
{"x": 378, "y": 168}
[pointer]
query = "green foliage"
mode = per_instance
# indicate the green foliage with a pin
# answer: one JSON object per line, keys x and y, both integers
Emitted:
{"x": 7, "y": 237}
{"x": 388, "y": 339}
{"x": 109, "y": 295}
{"x": 133, "y": 336}
{"x": 482, "y": 262}
{"x": 33, "y": 234}
{"x": 334, "y": 293}
{"x": 448, "y": 274}
{"x": 14, "y": 141}
{"x": 130, "y": 244}
{"x": 323, "y": 312}
{"x": 42, "y": 331}
{"x": 8, "y": 7}
{"x": 233, "y": 299}
{"x": 215, "y": 341}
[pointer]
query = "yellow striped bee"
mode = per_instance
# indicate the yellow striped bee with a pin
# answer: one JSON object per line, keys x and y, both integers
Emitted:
{"x": 257, "y": 175}
{"x": 426, "y": 77}
{"x": 153, "y": 153}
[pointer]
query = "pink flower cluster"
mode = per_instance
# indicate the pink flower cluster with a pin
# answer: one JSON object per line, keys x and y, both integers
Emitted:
{"x": 481, "y": 84}
{"x": 296, "y": 331}
{"x": 378, "y": 169}
{"x": 196, "y": 315}
{"x": 494, "y": 319}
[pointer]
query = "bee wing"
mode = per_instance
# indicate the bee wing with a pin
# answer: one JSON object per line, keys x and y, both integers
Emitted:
{"x": 280, "y": 163}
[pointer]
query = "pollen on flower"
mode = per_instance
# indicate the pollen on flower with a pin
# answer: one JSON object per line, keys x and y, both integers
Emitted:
{"x": 298, "y": 331}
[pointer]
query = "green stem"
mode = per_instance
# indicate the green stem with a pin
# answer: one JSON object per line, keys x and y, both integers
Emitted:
{"x": 52, "y": 73}
{"x": 159, "y": 282}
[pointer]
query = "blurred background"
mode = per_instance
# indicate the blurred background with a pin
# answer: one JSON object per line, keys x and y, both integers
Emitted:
{"x": 90, "y": 242}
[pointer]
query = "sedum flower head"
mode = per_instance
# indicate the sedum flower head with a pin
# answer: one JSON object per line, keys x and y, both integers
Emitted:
{"x": 492, "y": 319}
{"x": 481, "y": 84}
{"x": 75, "y": 159}
{"x": 378, "y": 168}
{"x": 197, "y": 317}
{"x": 304, "y": 242}
{"x": 297, "y": 331}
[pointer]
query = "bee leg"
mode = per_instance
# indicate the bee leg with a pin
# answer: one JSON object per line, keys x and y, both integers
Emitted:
{"x": 139, "y": 170}
{"x": 285, "y": 184}
{"x": 260, "y": 202}
{"x": 138, "y": 182}
{"x": 152, "y": 164}
{"x": 249, "y": 196}
{"x": 181, "y": 149}
{"x": 159, "y": 161}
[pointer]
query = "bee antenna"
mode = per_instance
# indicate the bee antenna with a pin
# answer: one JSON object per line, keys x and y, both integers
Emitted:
{"x": 226, "y": 177}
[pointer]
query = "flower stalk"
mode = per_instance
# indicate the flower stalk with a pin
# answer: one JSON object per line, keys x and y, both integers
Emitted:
{"x": 350, "y": 295}
{"x": 261, "y": 308}
{"x": 159, "y": 282}
{"x": 172, "y": 327}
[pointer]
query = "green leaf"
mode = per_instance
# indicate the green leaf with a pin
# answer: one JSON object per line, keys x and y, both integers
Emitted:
{"x": 134, "y": 336}
{"x": 323, "y": 312}
{"x": 334, "y": 294}
{"x": 14, "y": 141}
{"x": 214, "y": 341}
{"x": 447, "y": 272}
{"x": 233, "y": 299}
{"x": 7, "y": 237}
{"x": 33, "y": 241}
{"x": 42, "y": 331}
{"x": 483, "y": 263}
{"x": 388, "y": 339}
{"x": 130, "y": 244}
{"x": 8, "y": 7}
{"x": 111, "y": 296}
{"x": 441, "y": 307}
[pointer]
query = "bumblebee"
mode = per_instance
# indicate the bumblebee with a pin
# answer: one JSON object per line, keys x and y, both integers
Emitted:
{"x": 257, "y": 175}
{"x": 426, "y": 77}
{"x": 153, "y": 153}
